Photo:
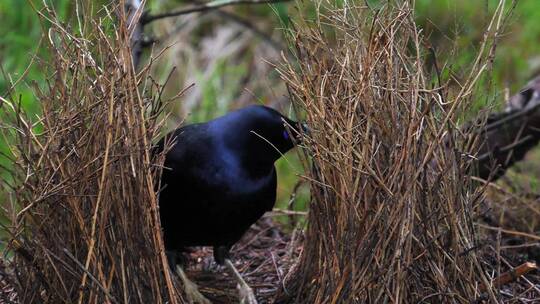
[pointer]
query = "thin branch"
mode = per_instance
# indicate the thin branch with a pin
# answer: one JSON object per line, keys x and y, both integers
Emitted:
{"x": 511, "y": 232}
{"x": 134, "y": 21}
{"x": 205, "y": 7}
{"x": 518, "y": 144}
{"x": 276, "y": 212}
{"x": 267, "y": 38}
{"x": 514, "y": 116}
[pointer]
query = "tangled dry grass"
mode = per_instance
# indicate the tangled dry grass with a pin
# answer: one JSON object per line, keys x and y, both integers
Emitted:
{"x": 391, "y": 212}
{"x": 83, "y": 223}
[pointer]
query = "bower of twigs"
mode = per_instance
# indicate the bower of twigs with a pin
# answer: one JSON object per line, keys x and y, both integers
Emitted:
{"x": 391, "y": 214}
{"x": 84, "y": 224}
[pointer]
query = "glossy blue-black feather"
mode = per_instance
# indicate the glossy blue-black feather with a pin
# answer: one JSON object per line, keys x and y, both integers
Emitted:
{"x": 219, "y": 177}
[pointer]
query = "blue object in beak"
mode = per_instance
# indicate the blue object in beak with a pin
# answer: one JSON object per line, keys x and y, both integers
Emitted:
{"x": 305, "y": 128}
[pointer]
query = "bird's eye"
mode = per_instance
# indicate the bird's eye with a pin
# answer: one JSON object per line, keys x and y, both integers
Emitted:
{"x": 285, "y": 135}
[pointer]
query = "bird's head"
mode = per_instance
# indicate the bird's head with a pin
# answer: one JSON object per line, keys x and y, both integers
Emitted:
{"x": 260, "y": 134}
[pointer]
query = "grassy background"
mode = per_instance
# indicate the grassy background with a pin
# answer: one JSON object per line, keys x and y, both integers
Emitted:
{"x": 231, "y": 65}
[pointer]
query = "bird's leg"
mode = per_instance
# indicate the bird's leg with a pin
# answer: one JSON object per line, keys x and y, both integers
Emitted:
{"x": 221, "y": 253}
{"x": 246, "y": 293}
{"x": 172, "y": 258}
{"x": 192, "y": 291}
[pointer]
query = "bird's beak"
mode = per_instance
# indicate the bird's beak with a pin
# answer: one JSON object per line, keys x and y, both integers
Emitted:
{"x": 297, "y": 128}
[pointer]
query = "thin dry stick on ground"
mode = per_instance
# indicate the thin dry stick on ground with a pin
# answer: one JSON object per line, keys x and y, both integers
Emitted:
{"x": 512, "y": 275}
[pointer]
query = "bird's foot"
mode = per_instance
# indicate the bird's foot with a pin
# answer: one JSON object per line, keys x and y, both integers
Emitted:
{"x": 208, "y": 265}
{"x": 194, "y": 295}
{"x": 247, "y": 296}
{"x": 192, "y": 291}
{"x": 221, "y": 253}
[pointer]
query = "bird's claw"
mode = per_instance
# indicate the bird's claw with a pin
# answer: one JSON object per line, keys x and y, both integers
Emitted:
{"x": 246, "y": 294}
{"x": 194, "y": 295}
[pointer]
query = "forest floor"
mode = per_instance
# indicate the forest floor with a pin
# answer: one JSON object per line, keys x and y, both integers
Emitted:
{"x": 266, "y": 253}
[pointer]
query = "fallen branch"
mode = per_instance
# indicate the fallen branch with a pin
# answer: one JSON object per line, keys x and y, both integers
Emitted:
{"x": 509, "y": 135}
{"x": 512, "y": 232}
{"x": 511, "y": 275}
{"x": 205, "y": 7}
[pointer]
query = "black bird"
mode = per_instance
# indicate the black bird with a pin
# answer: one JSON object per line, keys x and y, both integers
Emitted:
{"x": 219, "y": 178}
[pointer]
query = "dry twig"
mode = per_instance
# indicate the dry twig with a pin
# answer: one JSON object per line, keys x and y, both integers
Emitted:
{"x": 511, "y": 275}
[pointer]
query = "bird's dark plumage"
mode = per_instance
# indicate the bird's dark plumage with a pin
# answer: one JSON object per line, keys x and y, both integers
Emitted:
{"x": 219, "y": 177}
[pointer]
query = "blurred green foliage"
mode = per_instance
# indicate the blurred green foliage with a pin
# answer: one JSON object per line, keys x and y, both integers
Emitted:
{"x": 20, "y": 36}
{"x": 454, "y": 29}
{"x": 219, "y": 92}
